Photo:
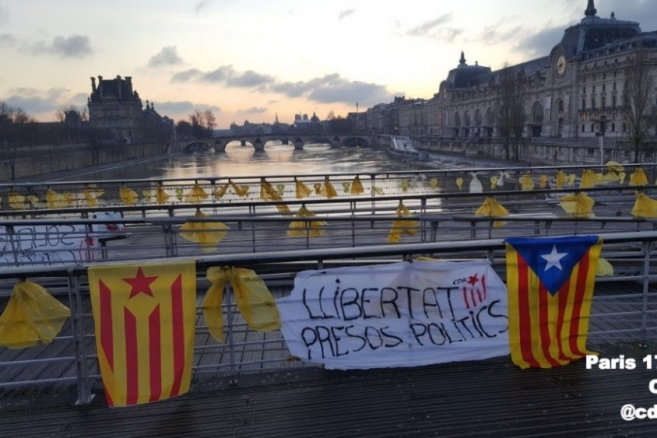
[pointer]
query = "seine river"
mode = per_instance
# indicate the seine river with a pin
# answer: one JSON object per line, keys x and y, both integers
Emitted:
{"x": 276, "y": 159}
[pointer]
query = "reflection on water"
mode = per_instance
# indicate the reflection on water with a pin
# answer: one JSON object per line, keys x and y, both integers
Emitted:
{"x": 276, "y": 159}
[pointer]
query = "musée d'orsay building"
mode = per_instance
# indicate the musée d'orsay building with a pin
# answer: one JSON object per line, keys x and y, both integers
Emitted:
{"x": 574, "y": 91}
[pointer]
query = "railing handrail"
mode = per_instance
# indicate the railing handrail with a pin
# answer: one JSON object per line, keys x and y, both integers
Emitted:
{"x": 214, "y": 179}
{"x": 320, "y": 254}
{"x": 438, "y": 195}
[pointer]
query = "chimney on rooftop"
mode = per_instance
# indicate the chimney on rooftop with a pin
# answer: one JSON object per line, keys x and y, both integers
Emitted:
{"x": 119, "y": 86}
{"x": 93, "y": 85}
{"x": 100, "y": 85}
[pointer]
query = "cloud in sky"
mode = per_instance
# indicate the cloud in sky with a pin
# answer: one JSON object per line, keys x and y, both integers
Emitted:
{"x": 328, "y": 89}
{"x": 345, "y": 13}
{"x": 254, "y": 110}
{"x": 74, "y": 46}
{"x": 201, "y": 5}
{"x": 541, "y": 42}
{"x": 165, "y": 57}
{"x": 434, "y": 29}
{"x": 4, "y": 16}
{"x": 424, "y": 28}
{"x": 7, "y": 40}
{"x": 34, "y": 101}
{"x": 183, "y": 107}
{"x": 333, "y": 88}
{"x": 225, "y": 75}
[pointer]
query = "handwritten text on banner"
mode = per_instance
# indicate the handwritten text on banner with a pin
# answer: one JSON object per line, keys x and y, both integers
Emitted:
{"x": 397, "y": 315}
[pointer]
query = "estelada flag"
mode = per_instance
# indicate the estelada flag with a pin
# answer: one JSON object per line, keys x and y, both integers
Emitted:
{"x": 144, "y": 317}
{"x": 550, "y": 283}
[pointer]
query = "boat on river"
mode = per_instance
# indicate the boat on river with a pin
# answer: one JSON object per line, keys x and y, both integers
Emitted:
{"x": 402, "y": 147}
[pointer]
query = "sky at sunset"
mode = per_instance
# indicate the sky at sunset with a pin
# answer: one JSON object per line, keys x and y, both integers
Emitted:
{"x": 253, "y": 59}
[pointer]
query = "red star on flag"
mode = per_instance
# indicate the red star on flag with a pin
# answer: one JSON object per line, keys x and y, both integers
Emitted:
{"x": 473, "y": 279}
{"x": 140, "y": 284}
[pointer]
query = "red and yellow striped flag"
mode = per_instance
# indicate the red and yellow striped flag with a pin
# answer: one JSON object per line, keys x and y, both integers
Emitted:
{"x": 144, "y": 317}
{"x": 550, "y": 283}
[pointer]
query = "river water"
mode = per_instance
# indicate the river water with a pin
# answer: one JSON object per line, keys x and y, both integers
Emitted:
{"x": 276, "y": 159}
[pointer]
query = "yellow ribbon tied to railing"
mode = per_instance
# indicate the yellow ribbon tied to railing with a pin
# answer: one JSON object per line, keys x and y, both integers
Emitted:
{"x": 328, "y": 190}
{"x": 268, "y": 193}
{"x": 589, "y": 179}
{"x": 377, "y": 191}
{"x": 148, "y": 196}
{"x": 543, "y": 181}
{"x": 127, "y": 195}
{"x": 241, "y": 191}
{"x": 404, "y": 185}
{"x": 32, "y": 315}
{"x": 433, "y": 183}
{"x": 638, "y": 177}
{"x": 196, "y": 194}
{"x": 318, "y": 188}
{"x": 578, "y": 205}
{"x": 91, "y": 195}
{"x": 526, "y": 182}
{"x": 220, "y": 192}
{"x": 357, "y": 186}
{"x": 459, "y": 183}
{"x": 312, "y": 228}
{"x": 571, "y": 180}
{"x": 560, "y": 179}
{"x": 492, "y": 208}
{"x": 179, "y": 193}
{"x": 55, "y": 199}
{"x": 644, "y": 207}
{"x": 402, "y": 226}
{"x": 253, "y": 298}
{"x": 301, "y": 190}
{"x": 346, "y": 186}
{"x": 160, "y": 194}
{"x": 207, "y": 234}
{"x": 493, "y": 182}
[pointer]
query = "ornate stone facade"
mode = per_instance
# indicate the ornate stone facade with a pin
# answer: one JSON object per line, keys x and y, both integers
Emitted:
{"x": 575, "y": 91}
{"x": 115, "y": 107}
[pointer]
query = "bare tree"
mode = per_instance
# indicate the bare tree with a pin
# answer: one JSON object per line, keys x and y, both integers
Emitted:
{"x": 210, "y": 121}
{"x": 17, "y": 131}
{"x": 637, "y": 99}
{"x": 512, "y": 113}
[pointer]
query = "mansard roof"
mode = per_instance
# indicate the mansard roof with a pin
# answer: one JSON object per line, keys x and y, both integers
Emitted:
{"x": 593, "y": 32}
{"x": 464, "y": 75}
{"x": 473, "y": 76}
{"x": 118, "y": 88}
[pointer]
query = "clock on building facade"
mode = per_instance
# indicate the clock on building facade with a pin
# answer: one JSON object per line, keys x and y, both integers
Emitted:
{"x": 561, "y": 65}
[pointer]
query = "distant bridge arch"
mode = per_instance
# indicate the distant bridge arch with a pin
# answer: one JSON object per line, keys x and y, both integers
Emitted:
{"x": 258, "y": 142}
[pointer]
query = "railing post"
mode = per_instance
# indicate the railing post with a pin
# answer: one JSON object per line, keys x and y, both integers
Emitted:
{"x": 307, "y": 224}
{"x": 373, "y": 194}
{"x": 79, "y": 344}
{"x": 229, "y": 319}
{"x": 253, "y": 237}
{"x": 169, "y": 241}
{"x": 647, "y": 246}
{"x": 11, "y": 232}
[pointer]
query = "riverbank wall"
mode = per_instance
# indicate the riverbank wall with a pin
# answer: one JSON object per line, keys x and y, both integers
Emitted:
{"x": 32, "y": 161}
{"x": 537, "y": 151}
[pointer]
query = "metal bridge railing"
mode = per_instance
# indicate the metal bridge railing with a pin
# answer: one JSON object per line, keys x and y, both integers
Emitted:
{"x": 380, "y": 190}
{"x": 39, "y": 242}
{"x": 624, "y": 308}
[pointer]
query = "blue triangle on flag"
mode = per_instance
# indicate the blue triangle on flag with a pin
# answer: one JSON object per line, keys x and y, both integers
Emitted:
{"x": 552, "y": 258}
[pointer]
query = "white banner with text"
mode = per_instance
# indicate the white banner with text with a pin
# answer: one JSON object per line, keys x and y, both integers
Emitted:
{"x": 396, "y": 315}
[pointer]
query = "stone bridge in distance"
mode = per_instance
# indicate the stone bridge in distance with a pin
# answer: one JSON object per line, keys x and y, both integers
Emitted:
{"x": 259, "y": 142}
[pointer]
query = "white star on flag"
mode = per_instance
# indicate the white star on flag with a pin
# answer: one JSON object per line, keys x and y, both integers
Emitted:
{"x": 554, "y": 258}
